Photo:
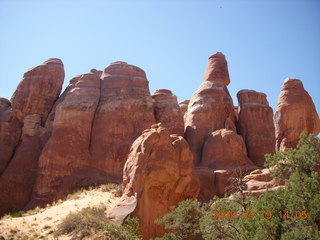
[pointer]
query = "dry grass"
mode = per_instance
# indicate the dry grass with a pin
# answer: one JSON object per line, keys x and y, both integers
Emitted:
{"x": 41, "y": 223}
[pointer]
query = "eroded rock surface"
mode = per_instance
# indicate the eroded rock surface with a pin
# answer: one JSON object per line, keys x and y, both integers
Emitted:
{"x": 65, "y": 160}
{"x": 255, "y": 125}
{"x": 35, "y": 94}
{"x": 38, "y": 90}
{"x": 125, "y": 109}
{"x": 294, "y": 114}
{"x": 224, "y": 149}
{"x": 16, "y": 183}
{"x": 260, "y": 180}
{"x": 167, "y": 111}
{"x": 159, "y": 173}
{"x": 184, "y": 107}
{"x": 10, "y": 132}
{"x": 210, "y": 106}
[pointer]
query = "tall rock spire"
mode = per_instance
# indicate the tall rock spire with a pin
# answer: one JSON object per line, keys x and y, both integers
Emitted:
{"x": 294, "y": 114}
{"x": 217, "y": 69}
{"x": 211, "y": 107}
{"x": 255, "y": 124}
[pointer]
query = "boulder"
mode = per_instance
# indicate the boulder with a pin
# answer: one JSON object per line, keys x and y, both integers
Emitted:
{"x": 255, "y": 125}
{"x": 159, "y": 173}
{"x": 294, "y": 114}
{"x": 167, "y": 111}
{"x": 210, "y": 106}
{"x": 125, "y": 109}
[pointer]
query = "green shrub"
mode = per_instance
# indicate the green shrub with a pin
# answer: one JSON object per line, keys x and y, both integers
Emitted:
{"x": 184, "y": 220}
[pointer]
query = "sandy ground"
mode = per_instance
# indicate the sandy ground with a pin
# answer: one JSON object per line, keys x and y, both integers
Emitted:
{"x": 42, "y": 224}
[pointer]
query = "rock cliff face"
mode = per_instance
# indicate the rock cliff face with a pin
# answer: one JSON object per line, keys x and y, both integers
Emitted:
{"x": 125, "y": 109}
{"x": 17, "y": 181}
{"x": 167, "y": 111}
{"x": 294, "y": 114}
{"x": 159, "y": 173}
{"x": 64, "y": 161}
{"x": 10, "y": 133}
{"x": 52, "y": 144}
{"x": 210, "y": 107}
{"x": 90, "y": 137}
{"x": 255, "y": 124}
{"x": 22, "y": 133}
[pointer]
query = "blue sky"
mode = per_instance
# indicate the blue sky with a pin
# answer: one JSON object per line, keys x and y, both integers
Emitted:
{"x": 264, "y": 41}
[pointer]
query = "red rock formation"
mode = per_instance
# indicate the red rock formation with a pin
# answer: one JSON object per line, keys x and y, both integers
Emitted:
{"x": 294, "y": 114}
{"x": 167, "y": 111}
{"x": 10, "y": 132}
{"x": 17, "y": 181}
{"x": 210, "y": 107}
{"x": 224, "y": 149}
{"x": 23, "y": 123}
{"x": 207, "y": 182}
{"x": 38, "y": 90}
{"x": 124, "y": 111}
{"x": 4, "y": 104}
{"x": 91, "y": 133}
{"x": 255, "y": 125}
{"x": 65, "y": 164}
{"x": 224, "y": 152}
{"x": 35, "y": 94}
{"x": 217, "y": 69}
{"x": 159, "y": 173}
{"x": 184, "y": 107}
{"x": 259, "y": 181}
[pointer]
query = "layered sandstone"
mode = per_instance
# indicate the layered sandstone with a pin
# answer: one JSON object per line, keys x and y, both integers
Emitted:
{"x": 93, "y": 124}
{"x": 259, "y": 181}
{"x": 125, "y": 109}
{"x": 35, "y": 94}
{"x": 294, "y": 114}
{"x": 65, "y": 164}
{"x": 159, "y": 173}
{"x": 210, "y": 106}
{"x": 22, "y": 132}
{"x": 167, "y": 111}
{"x": 255, "y": 124}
